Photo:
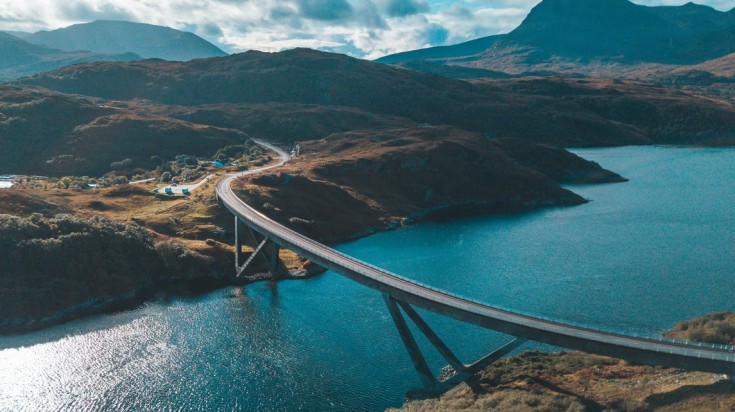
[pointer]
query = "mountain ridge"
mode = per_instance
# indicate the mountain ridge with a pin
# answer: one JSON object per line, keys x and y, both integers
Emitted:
{"x": 616, "y": 30}
{"x": 21, "y": 58}
{"x": 567, "y": 112}
{"x": 112, "y": 36}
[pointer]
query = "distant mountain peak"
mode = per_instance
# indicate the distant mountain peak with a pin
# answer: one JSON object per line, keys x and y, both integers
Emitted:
{"x": 20, "y": 58}
{"x": 595, "y": 15}
{"x": 582, "y": 31}
{"x": 115, "y": 36}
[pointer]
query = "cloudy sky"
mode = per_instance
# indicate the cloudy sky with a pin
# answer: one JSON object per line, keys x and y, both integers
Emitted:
{"x": 362, "y": 28}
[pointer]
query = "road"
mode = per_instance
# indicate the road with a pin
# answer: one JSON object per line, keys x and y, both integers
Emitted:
{"x": 179, "y": 189}
{"x": 659, "y": 351}
{"x": 282, "y": 154}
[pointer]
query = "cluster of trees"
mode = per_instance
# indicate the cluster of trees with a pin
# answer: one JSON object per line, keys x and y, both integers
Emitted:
{"x": 187, "y": 168}
{"x": 243, "y": 153}
{"x": 184, "y": 169}
{"x": 73, "y": 182}
{"x": 53, "y": 264}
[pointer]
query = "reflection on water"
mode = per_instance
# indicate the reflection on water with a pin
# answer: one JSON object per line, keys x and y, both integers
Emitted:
{"x": 639, "y": 257}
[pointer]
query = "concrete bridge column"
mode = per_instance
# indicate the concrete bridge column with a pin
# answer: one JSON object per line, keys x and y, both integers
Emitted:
{"x": 261, "y": 245}
{"x": 239, "y": 235}
{"x": 457, "y": 371}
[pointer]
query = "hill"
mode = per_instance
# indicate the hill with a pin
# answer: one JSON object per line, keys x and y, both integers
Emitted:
{"x": 20, "y": 58}
{"x": 572, "y": 35}
{"x": 354, "y": 183}
{"x": 18, "y": 34}
{"x": 45, "y": 133}
{"x": 724, "y": 66}
{"x": 98, "y": 264}
{"x": 572, "y": 112}
{"x": 111, "y": 37}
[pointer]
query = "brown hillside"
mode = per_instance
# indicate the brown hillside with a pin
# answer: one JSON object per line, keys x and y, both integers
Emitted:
{"x": 724, "y": 66}
{"x": 353, "y": 183}
{"x": 573, "y": 113}
{"x": 276, "y": 122}
{"x": 46, "y": 133}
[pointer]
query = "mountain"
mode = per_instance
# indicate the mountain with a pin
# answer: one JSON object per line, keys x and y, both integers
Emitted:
{"x": 571, "y": 112}
{"x": 582, "y": 31}
{"x": 468, "y": 48}
{"x": 18, "y": 34}
{"x": 112, "y": 37}
{"x": 20, "y": 58}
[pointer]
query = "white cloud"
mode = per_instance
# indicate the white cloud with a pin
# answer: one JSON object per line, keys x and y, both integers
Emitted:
{"x": 364, "y": 28}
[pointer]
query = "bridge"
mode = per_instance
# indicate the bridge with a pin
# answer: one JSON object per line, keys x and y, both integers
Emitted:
{"x": 401, "y": 295}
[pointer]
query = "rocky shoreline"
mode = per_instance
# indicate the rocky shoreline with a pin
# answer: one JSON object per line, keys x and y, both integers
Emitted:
{"x": 131, "y": 300}
{"x": 576, "y": 381}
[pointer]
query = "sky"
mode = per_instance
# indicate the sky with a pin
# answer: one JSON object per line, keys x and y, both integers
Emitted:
{"x": 361, "y": 28}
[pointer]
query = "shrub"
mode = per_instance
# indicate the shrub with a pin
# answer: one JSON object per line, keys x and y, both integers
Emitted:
{"x": 121, "y": 165}
{"x": 52, "y": 264}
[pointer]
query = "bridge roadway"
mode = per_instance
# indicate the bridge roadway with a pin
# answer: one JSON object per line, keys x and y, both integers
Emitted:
{"x": 656, "y": 351}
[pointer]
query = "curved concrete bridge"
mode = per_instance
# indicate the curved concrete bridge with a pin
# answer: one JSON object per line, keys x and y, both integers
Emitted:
{"x": 402, "y": 293}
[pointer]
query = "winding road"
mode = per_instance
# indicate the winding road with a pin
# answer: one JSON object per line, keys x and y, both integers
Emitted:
{"x": 658, "y": 351}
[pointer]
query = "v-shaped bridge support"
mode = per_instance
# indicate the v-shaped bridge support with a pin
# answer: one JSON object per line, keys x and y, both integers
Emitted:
{"x": 456, "y": 371}
{"x": 265, "y": 248}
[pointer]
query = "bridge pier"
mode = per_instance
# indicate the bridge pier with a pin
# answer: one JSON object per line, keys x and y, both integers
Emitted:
{"x": 459, "y": 371}
{"x": 261, "y": 246}
{"x": 419, "y": 362}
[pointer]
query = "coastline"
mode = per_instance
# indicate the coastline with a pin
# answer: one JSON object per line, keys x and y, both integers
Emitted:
{"x": 197, "y": 285}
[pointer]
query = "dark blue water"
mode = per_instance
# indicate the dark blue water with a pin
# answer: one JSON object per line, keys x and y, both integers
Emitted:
{"x": 639, "y": 257}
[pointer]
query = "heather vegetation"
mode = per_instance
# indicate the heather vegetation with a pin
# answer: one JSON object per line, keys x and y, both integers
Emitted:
{"x": 351, "y": 184}
{"x": 575, "y": 381}
{"x": 563, "y": 111}
{"x": 49, "y": 134}
{"x": 714, "y": 328}
{"x": 52, "y": 267}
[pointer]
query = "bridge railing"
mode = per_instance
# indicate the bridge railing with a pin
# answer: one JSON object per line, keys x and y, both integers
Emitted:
{"x": 307, "y": 244}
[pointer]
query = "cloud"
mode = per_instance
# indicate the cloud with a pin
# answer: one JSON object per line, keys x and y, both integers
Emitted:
{"x": 402, "y": 8}
{"x": 327, "y": 10}
{"x": 208, "y": 29}
{"x": 83, "y": 11}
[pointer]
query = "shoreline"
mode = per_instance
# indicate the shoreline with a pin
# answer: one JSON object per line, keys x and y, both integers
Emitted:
{"x": 197, "y": 286}
{"x": 189, "y": 287}
{"x": 203, "y": 284}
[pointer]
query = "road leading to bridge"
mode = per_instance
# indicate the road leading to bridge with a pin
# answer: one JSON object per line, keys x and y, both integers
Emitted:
{"x": 657, "y": 351}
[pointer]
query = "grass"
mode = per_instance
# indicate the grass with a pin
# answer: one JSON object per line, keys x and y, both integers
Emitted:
{"x": 574, "y": 381}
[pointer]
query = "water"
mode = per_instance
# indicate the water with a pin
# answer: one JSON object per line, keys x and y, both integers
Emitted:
{"x": 641, "y": 256}
{"x": 4, "y": 184}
